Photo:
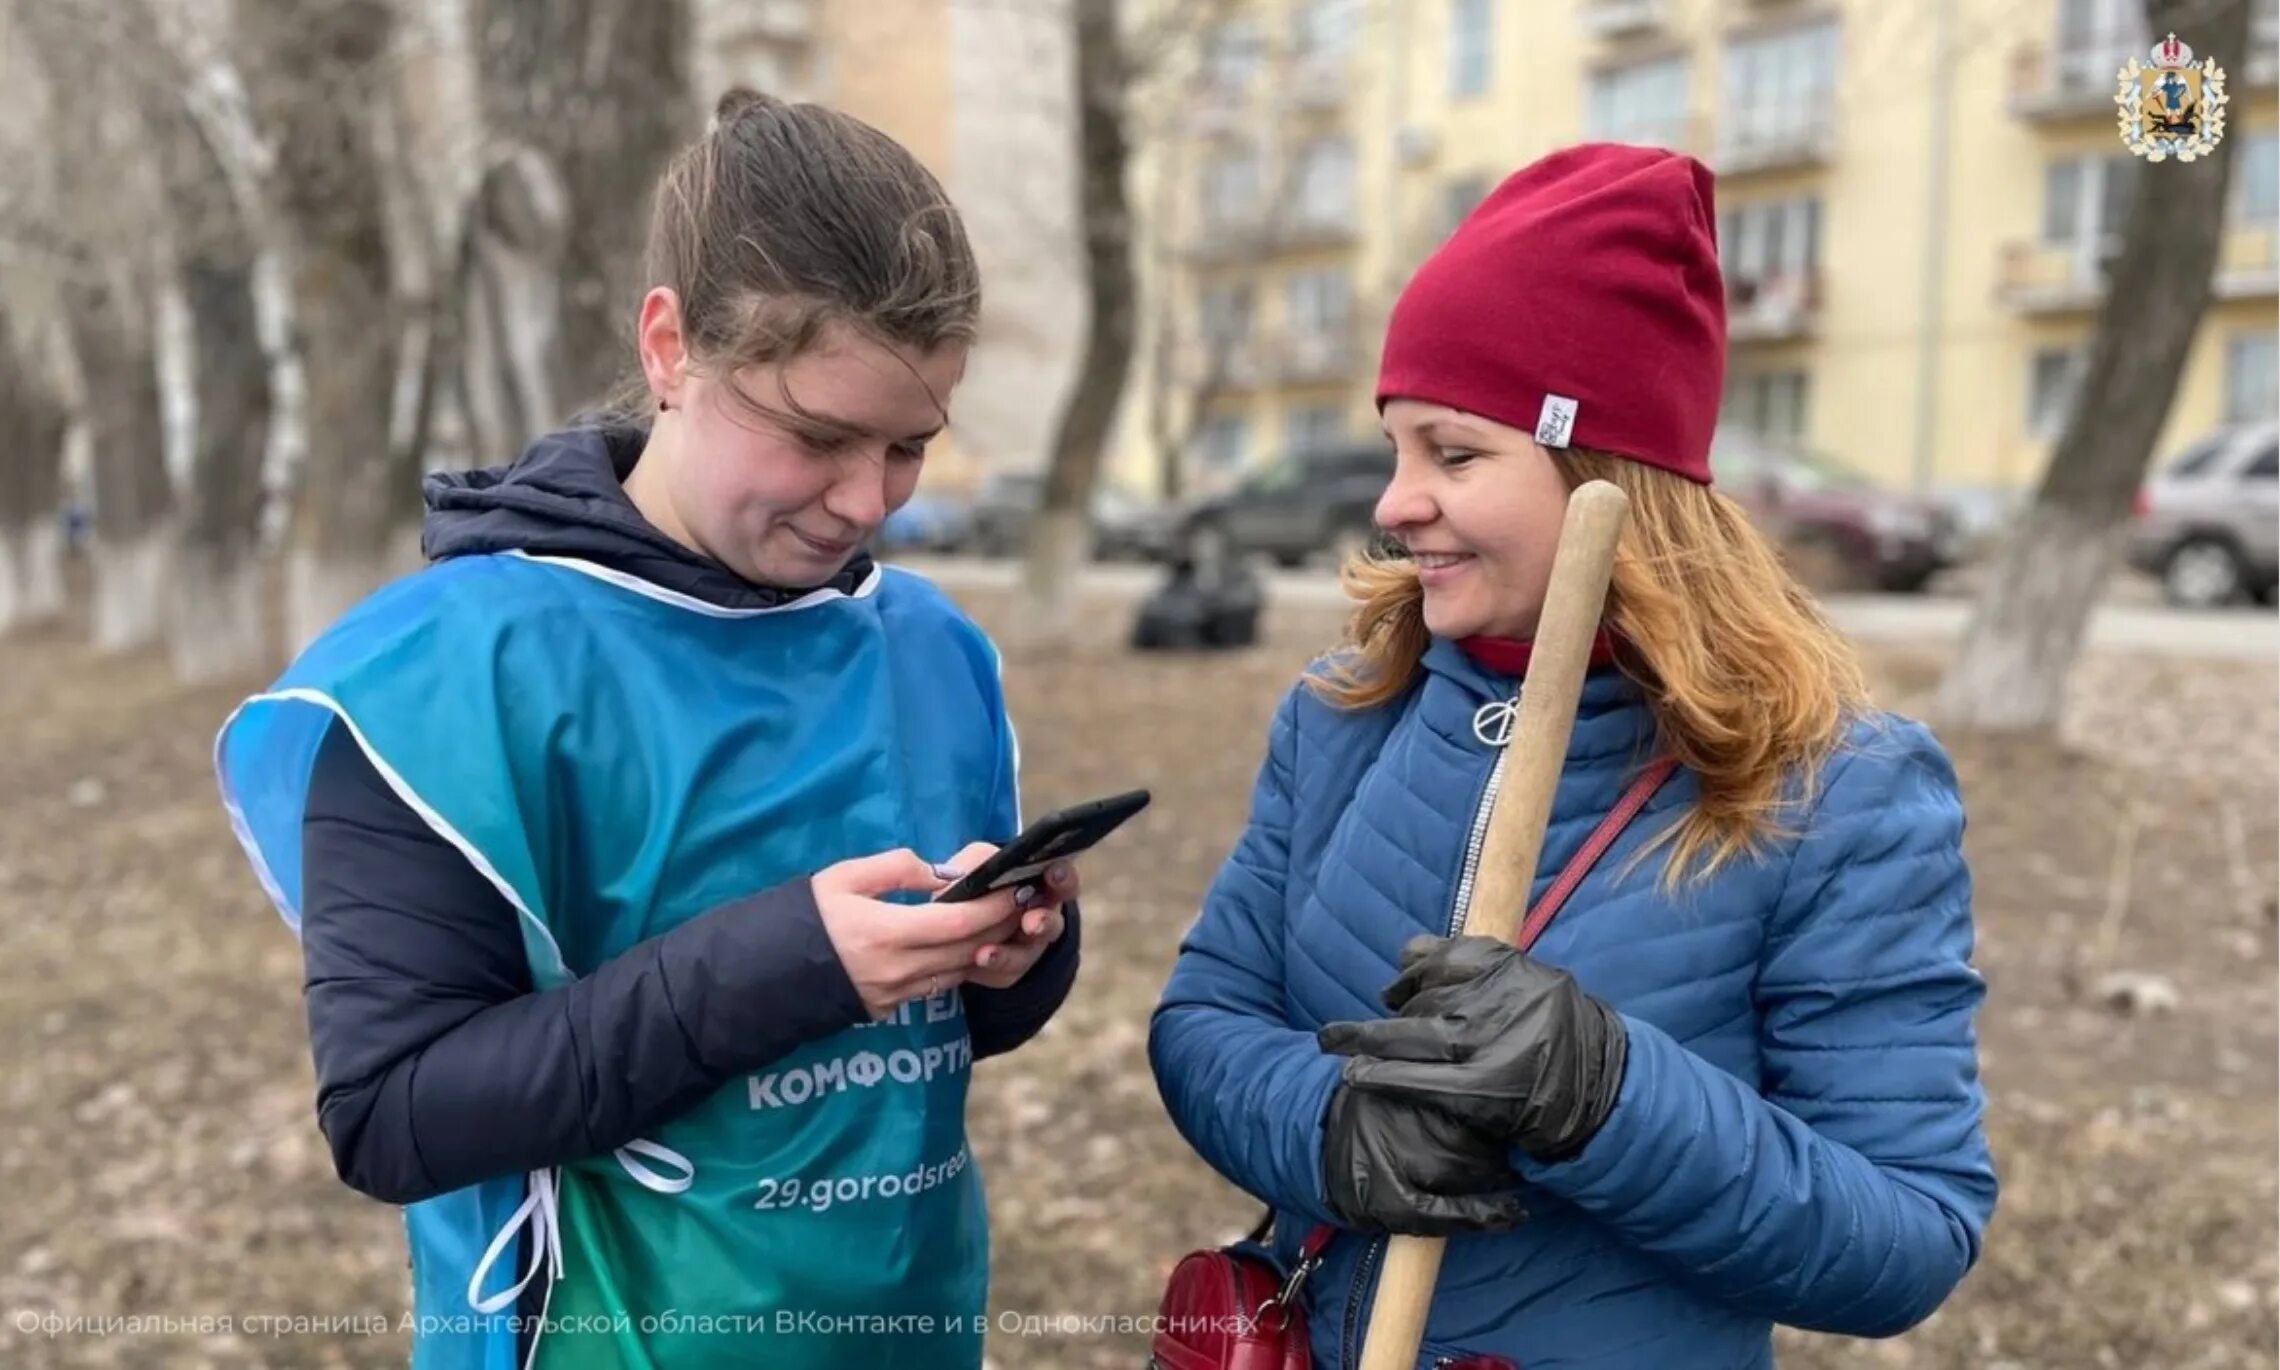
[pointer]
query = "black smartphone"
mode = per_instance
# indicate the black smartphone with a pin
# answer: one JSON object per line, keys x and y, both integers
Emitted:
{"x": 1056, "y": 835}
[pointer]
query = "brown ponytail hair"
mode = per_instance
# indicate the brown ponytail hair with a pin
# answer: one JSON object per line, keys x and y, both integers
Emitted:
{"x": 783, "y": 220}
{"x": 1747, "y": 679}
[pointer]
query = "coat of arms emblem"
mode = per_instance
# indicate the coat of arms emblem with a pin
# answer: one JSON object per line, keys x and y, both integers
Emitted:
{"x": 2171, "y": 107}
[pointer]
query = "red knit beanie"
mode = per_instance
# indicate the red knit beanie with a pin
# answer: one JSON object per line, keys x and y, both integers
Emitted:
{"x": 1580, "y": 302}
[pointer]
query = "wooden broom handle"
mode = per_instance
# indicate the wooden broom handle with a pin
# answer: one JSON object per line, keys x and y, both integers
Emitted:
{"x": 1573, "y": 605}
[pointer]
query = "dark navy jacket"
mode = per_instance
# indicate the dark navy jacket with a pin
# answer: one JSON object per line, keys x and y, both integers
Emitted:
{"x": 419, "y": 997}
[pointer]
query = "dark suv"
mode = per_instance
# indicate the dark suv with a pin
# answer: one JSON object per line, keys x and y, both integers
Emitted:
{"x": 1838, "y": 530}
{"x": 1305, "y": 505}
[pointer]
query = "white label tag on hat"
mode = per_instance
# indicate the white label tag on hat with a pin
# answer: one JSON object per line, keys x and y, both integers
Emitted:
{"x": 1556, "y": 422}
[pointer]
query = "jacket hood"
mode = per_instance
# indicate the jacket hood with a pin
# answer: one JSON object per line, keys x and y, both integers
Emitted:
{"x": 565, "y": 497}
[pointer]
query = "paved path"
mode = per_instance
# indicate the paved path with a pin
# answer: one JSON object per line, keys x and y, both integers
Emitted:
{"x": 2232, "y": 634}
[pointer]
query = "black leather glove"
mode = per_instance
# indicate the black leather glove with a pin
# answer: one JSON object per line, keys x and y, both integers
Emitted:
{"x": 1394, "y": 1166}
{"x": 1506, "y": 1045}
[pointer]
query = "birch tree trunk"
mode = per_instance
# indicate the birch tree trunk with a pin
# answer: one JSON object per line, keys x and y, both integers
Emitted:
{"x": 106, "y": 295}
{"x": 1060, "y": 537}
{"x": 113, "y": 337}
{"x": 2028, "y": 627}
{"x": 316, "y": 79}
{"x": 587, "y": 99}
{"x": 31, "y": 490}
{"x": 219, "y": 624}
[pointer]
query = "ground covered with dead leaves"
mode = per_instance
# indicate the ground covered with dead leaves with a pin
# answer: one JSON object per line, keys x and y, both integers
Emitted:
{"x": 160, "y": 1157}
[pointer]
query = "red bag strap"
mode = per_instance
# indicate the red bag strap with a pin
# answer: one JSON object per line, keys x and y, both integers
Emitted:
{"x": 1540, "y": 917}
{"x": 1594, "y": 847}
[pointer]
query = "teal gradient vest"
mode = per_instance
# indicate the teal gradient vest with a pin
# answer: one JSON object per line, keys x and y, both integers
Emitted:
{"x": 617, "y": 758}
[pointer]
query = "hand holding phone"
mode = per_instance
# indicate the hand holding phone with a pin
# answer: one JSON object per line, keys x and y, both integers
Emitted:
{"x": 1055, "y": 836}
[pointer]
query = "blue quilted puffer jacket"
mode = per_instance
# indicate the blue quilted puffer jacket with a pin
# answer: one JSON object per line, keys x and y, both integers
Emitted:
{"x": 1797, "y": 1138}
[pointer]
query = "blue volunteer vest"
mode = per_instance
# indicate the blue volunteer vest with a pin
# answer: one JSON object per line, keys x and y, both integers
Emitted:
{"x": 617, "y": 758}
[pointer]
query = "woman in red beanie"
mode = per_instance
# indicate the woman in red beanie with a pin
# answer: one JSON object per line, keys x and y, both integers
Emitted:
{"x": 1735, "y": 1083}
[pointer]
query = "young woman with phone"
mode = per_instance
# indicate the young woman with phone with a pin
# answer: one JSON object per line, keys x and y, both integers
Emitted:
{"x": 610, "y": 837}
{"x": 1735, "y": 1083}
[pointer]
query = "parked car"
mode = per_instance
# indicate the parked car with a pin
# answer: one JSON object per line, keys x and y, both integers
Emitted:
{"x": 1304, "y": 505}
{"x": 1129, "y": 528}
{"x": 1001, "y": 511}
{"x": 2208, "y": 523}
{"x": 925, "y": 523}
{"x": 1838, "y": 529}
{"x": 1124, "y": 526}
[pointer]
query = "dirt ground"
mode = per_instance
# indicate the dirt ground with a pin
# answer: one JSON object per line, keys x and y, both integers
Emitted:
{"x": 160, "y": 1156}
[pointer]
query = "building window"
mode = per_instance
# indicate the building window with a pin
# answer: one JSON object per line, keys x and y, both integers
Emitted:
{"x": 1769, "y": 240}
{"x": 1644, "y": 103}
{"x": 1230, "y": 189}
{"x": 1326, "y": 183}
{"x": 1472, "y": 37}
{"x": 2095, "y": 39}
{"x": 1771, "y": 404}
{"x": 2053, "y": 378}
{"x": 1225, "y": 312}
{"x": 1460, "y": 198}
{"x": 2252, "y": 377}
{"x": 1220, "y": 442}
{"x": 2256, "y": 182}
{"x": 1322, "y": 32}
{"x": 1317, "y": 303}
{"x": 2086, "y": 198}
{"x": 1235, "y": 55}
{"x": 1779, "y": 91}
{"x": 1313, "y": 428}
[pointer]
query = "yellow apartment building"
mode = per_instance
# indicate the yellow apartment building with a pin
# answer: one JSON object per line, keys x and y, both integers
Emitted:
{"x": 1915, "y": 200}
{"x": 979, "y": 91}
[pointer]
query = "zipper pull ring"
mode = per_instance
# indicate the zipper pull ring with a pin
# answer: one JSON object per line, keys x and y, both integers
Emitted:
{"x": 1493, "y": 721}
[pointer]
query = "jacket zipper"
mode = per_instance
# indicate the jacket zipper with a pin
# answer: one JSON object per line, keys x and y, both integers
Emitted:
{"x": 1474, "y": 842}
{"x": 1349, "y": 1352}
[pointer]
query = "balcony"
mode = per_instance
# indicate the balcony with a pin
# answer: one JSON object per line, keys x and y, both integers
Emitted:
{"x": 1217, "y": 113}
{"x": 2248, "y": 264}
{"x": 2051, "y": 84}
{"x": 1255, "y": 362}
{"x": 1753, "y": 144}
{"x": 2039, "y": 278}
{"x": 1223, "y": 239}
{"x": 771, "y": 21}
{"x": 1311, "y": 357}
{"x": 1217, "y": 367}
{"x": 1318, "y": 85}
{"x": 1299, "y": 229}
{"x": 1609, "y": 19}
{"x": 1766, "y": 309}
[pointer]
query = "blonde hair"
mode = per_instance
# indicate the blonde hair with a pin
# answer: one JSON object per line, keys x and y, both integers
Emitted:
{"x": 1747, "y": 680}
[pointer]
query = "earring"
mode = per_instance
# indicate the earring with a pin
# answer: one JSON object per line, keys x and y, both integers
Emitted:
{"x": 663, "y": 405}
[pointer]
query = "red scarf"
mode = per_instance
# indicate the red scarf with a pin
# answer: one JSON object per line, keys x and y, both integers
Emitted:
{"x": 1509, "y": 655}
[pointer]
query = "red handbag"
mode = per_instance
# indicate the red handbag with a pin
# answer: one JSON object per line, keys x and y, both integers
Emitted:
{"x": 1229, "y": 1307}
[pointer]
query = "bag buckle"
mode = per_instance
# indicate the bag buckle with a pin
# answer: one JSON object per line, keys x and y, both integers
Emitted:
{"x": 1287, "y": 1296}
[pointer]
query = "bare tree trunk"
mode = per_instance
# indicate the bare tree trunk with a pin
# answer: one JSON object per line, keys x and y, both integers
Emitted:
{"x": 113, "y": 337}
{"x": 510, "y": 289}
{"x": 31, "y": 490}
{"x": 219, "y": 624}
{"x": 107, "y": 297}
{"x": 316, "y": 80}
{"x": 2027, "y": 630}
{"x": 589, "y": 98}
{"x": 1060, "y": 537}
